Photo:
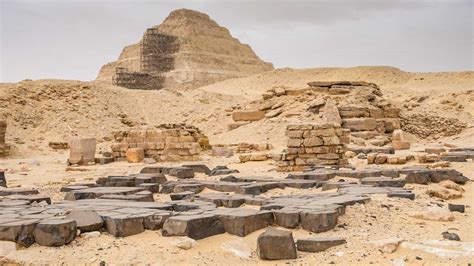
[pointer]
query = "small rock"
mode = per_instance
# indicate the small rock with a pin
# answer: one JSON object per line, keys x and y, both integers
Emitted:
{"x": 451, "y": 236}
{"x": 149, "y": 161}
{"x": 456, "y": 207}
{"x": 184, "y": 243}
{"x": 92, "y": 234}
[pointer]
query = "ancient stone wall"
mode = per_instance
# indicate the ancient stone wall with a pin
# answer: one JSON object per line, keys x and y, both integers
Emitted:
{"x": 313, "y": 144}
{"x": 4, "y": 148}
{"x": 170, "y": 142}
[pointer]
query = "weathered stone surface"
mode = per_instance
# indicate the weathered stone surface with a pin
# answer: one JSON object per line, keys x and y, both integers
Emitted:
{"x": 86, "y": 220}
{"x": 318, "y": 244}
{"x": 53, "y": 233}
{"x": 400, "y": 145}
{"x": 276, "y": 244}
{"x": 318, "y": 221}
{"x": 403, "y": 195}
{"x": 182, "y": 172}
{"x": 359, "y": 124}
{"x": 155, "y": 220}
{"x": 193, "y": 226}
{"x": 418, "y": 177}
{"x": 19, "y": 231}
{"x": 3, "y": 180}
{"x": 245, "y": 221}
{"x": 248, "y": 115}
{"x": 382, "y": 182}
{"x": 91, "y": 193}
{"x": 456, "y": 207}
{"x": 331, "y": 113}
{"x": 287, "y": 217}
{"x": 181, "y": 195}
{"x": 123, "y": 225}
{"x": 82, "y": 151}
{"x": 199, "y": 168}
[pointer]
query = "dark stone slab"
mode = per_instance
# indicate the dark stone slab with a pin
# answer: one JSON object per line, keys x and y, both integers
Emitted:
{"x": 181, "y": 195}
{"x": 196, "y": 188}
{"x": 19, "y": 231}
{"x": 123, "y": 225}
{"x": 151, "y": 187}
{"x": 336, "y": 184}
{"x": 54, "y": 233}
{"x": 182, "y": 172}
{"x": 287, "y": 217}
{"x": 276, "y": 244}
{"x": 318, "y": 244}
{"x": 438, "y": 175}
{"x": 86, "y": 220}
{"x": 193, "y": 226}
{"x": 19, "y": 191}
{"x": 155, "y": 220}
{"x": 318, "y": 221}
{"x": 3, "y": 180}
{"x": 31, "y": 198}
{"x": 404, "y": 195}
{"x": 418, "y": 177}
{"x": 73, "y": 187}
{"x": 456, "y": 207}
{"x": 199, "y": 168}
{"x": 245, "y": 221}
{"x": 382, "y": 182}
{"x": 92, "y": 193}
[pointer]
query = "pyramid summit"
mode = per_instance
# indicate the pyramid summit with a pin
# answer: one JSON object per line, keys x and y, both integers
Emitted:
{"x": 188, "y": 49}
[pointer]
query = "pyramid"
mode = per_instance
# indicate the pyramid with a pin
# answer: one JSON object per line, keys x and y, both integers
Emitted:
{"x": 188, "y": 49}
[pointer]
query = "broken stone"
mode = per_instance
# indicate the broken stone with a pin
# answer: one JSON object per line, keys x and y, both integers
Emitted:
{"x": 456, "y": 207}
{"x": 193, "y": 226}
{"x": 276, "y": 244}
{"x": 318, "y": 221}
{"x": 185, "y": 243}
{"x": 86, "y": 220}
{"x": 318, "y": 244}
{"x": 245, "y": 221}
{"x": 54, "y": 233}
{"x": 19, "y": 231}
{"x": 122, "y": 225}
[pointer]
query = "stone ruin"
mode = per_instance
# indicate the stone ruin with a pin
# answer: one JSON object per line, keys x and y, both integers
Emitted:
{"x": 4, "y": 148}
{"x": 167, "y": 142}
{"x": 313, "y": 144}
{"x": 82, "y": 151}
{"x": 123, "y": 205}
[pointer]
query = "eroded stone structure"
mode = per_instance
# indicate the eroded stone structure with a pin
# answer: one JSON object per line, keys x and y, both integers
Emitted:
{"x": 313, "y": 144}
{"x": 167, "y": 142}
{"x": 4, "y": 148}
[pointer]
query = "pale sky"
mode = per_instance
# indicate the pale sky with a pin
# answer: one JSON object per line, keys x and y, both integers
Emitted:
{"x": 73, "y": 39}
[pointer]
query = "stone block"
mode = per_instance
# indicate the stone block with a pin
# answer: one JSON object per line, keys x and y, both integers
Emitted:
{"x": 86, "y": 220}
{"x": 359, "y": 124}
{"x": 193, "y": 226}
{"x": 288, "y": 218}
{"x": 245, "y": 221}
{"x": 276, "y": 244}
{"x": 400, "y": 145}
{"x": 19, "y": 231}
{"x": 248, "y": 115}
{"x": 122, "y": 225}
{"x": 182, "y": 172}
{"x": 318, "y": 244}
{"x": 318, "y": 221}
{"x": 54, "y": 233}
{"x": 82, "y": 151}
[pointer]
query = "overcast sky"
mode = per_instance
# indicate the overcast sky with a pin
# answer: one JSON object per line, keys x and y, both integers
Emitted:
{"x": 73, "y": 39}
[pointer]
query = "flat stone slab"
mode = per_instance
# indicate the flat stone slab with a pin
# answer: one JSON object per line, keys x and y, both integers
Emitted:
{"x": 382, "y": 181}
{"x": 19, "y": 191}
{"x": 245, "y": 221}
{"x": 123, "y": 225}
{"x": 86, "y": 220}
{"x": 92, "y": 193}
{"x": 318, "y": 244}
{"x": 193, "y": 226}
{"x": 287, "y": 217}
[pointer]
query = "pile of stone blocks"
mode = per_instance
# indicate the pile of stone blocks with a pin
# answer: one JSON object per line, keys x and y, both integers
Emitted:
{"x": 173, "y": 142}
{"x": 313, "y": 144}
{"x": 82, "y": 151}
{"x": 4, "y": 148}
